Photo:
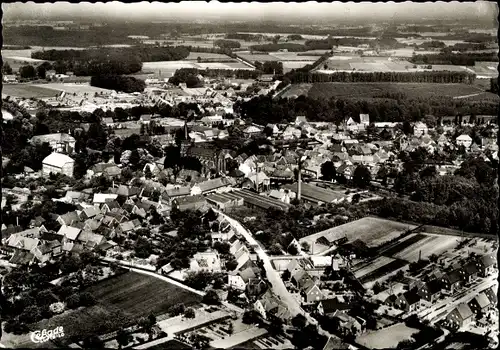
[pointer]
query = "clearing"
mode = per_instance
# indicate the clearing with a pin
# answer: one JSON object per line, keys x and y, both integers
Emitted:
{"x": 386, "y": 338}
{"x": 28, "y": 91}
{"x": 139, "y": 295}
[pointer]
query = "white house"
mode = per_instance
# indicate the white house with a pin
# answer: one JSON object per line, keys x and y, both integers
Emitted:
{"x": 464, "y": 140}
{"x": 59, "y": 142}
{"x": 239, "y": 279}
{"x": 420, "y": 129}
{"x": 364, "y": 119}
{"x": 57, "y": 163}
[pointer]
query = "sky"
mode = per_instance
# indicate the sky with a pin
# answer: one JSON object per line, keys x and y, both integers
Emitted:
{"x": 250, "y": 11}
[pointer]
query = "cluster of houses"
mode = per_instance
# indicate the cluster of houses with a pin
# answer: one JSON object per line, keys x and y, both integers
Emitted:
{"x": 439, "y": 284}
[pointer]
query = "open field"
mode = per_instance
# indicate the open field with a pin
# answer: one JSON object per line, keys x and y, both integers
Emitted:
{"x": 387, "y": 337}
{"x": 373, "y": 90}
{"x": 372, "y": 266}
{"x": 371, "y": 230}
{"x": 70, "y": 88}
{"x": 207, "y": 56}
{"x": 28, "y": 91}
{"x": 432, "y": 244}
{"x": 168, "y": 68}
{"x": 382, "y": 271}
{"x": 139, "y": 295}
{"x": 401, "y": 245}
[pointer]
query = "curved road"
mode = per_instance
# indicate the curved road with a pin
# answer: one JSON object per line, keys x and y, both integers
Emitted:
{"x": 274, "y": 277}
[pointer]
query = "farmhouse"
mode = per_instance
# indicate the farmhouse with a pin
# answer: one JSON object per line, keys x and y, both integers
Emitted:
{"x": 59, "y": 164}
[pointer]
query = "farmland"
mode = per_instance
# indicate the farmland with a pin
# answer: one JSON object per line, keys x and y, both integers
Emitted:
{"x": 374, "y": 90}
{"x": 372, "y": 266}
{"x": 404, "y": 244}
{"x": 387, "y": 337}
{"x": 28, "y": 91}
{"x": 139, "y": 295}
{"x": 372, "y": 231}
{"x": 382, "y": 271}
{"x": 75, "y": 88}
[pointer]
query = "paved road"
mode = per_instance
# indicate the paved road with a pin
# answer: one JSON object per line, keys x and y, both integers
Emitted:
{"x": 274, "y": 277}
{"x": 442, "y": 308}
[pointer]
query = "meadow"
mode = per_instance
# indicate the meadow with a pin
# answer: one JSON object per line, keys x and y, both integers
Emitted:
{"x": 28, "y": 91}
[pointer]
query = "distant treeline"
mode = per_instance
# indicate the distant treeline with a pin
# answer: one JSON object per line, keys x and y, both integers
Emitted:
{"x": 118, "y": 83}
{"x": 459, "y": 59}
{"x": 142, "y": 53}
{"x": 270, "y": 67}
{"x": 444, "y": 77}
{"x": 227, "y": 44}
{"x": 265, "y": 109}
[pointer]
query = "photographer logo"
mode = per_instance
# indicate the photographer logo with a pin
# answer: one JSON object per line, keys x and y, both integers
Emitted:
{"x": 46, "y": 335}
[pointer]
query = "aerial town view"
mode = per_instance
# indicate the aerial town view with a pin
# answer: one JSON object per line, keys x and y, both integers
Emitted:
{"x": 208, "y": 175}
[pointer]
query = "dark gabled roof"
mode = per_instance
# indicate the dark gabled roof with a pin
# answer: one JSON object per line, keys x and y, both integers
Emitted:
{"x": 487, "y": 260}
{"x": 331, "y": 305}
{"x": 21, "y": 257}
{"x": 434, "y": 286}
{"x": 411, "y": 297}
{"x": 454, "y": 276}
{"x": 470, "y": 268}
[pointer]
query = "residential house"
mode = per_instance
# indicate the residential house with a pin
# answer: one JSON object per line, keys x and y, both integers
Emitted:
{"x": 460, "y": 316}
{"x": 313, "y": 294}
{"x": 485, "y": 265}
{"x": 90, "y": 240}
{"x": 430, "y": 291}
{"x": 69, "y": 218}
{"x": 328, "y": 307}
{"x": 453, "y": 280}
{"x": 464, "y": 140}
{"x": 68, "y": 233}
{"x": 256, "y": 181}
{"x": 57, "y": 163}
{"x": 491, "y": 294}
{"x": 89, "y": 213}
{"x": 479, "y": 304}
{"x": 46, "y": 251}
{"x": 471, "y": 271}
{"x": 177, "y": 192}
{"x": 240, "y": 279}
{"x": 335, "y": 343}
{"x": 408, "y": 301}
{"x": 251, "y": 131}
{"x": 347, "y": 323}
{"x": 101, "y": 198}
{"x": 206, "y": 261}
{"x": 111, "y": 206}
{"x": 291, "y": 133}
{"x": 190, "y": 203}
{"x": 420, "y": 129}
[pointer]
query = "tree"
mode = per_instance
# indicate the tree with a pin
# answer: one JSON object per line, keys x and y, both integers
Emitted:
{"x": 123, "y": 338}
{"x": 211, "y": 298}
{"x": 407, "y": 128}
{"x": 328, "y": 171}
{"x": 189, "y": 313}
{"x": 251, "y": 317}
{"x": 305, "y": 246}
{"x": 41, "y": 71}
{"x": 299, "y": 321}
{"x": 231, "y": 265}
{"x": 286, "y": 275}
{"x": 356, "y": 198}
{"x": 6, "y": 68}
{"x": 362, "y": 176}
{"x": 27, "y": 72}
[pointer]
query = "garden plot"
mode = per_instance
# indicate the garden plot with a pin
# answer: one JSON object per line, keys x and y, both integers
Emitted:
{"x": 401, "y": 245}
{"x": 256, "y": 57}
{"x": 295, "y": 64}
{"x": 372, "y": 266}
{"x": 432, "y": 244}
{"x": 382, "y": 272}
{"x": 387, "y": 337}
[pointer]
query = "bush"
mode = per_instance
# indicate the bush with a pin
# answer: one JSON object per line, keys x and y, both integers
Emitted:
{"x": 14, "y": 326}
{"x": 211, "y": 298}
{"x": 189, "y": 313}
{"x": 73, "y": 301}
{"x": 177, "y": 309}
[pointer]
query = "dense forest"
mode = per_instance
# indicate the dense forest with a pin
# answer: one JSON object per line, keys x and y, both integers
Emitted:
{"x": 264, "y": 109}
{"x": 460, "y": 59}
{"x": 466, "y": 200}
{"x": 118, "y": 83}
{"x": 442, "y": 77}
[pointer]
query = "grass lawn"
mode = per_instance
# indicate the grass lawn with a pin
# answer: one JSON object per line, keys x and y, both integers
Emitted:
{"x": 28, "y": 91}
{"x": 79, "y": 89}
{"x": 386, "y": 338}
{"x": 139, "y": 295}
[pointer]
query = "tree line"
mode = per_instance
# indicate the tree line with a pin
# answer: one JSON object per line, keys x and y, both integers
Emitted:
{"x": 189, "y": 76}
{"x": 264, "y": 109}
{"x": 439, "y": 77}
{"x": 118, "y": 83}
{"x": 459, "y": 59}
{"x": 227, "y": 44}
